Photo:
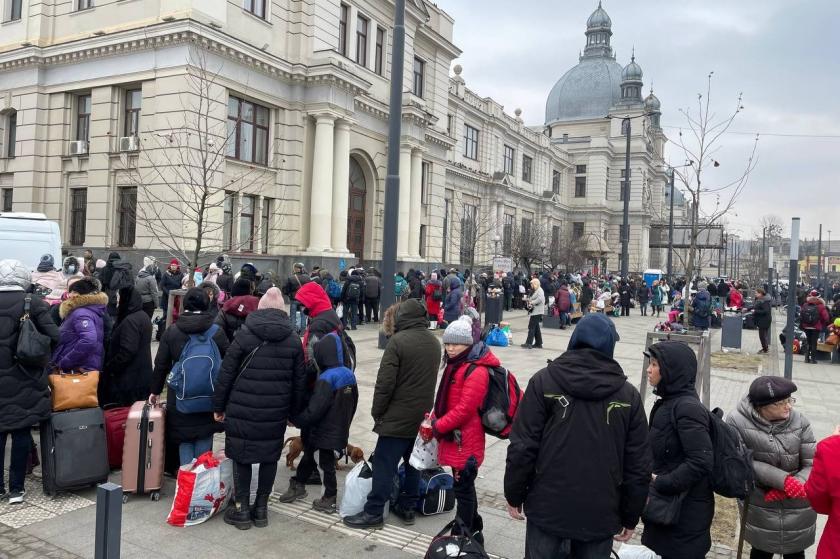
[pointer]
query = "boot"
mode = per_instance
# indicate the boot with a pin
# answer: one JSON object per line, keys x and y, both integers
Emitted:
{"x": 325, "y": 504}
{"x": 295, "y": 492}
{"x": 478, "y": 530}
{"x": 239, "y": 515}
{"x": 259, "y": 512}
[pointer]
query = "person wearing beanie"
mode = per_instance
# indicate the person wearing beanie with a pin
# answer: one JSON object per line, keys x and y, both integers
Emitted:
{"x": 225, "y": 279}
{"x": 295, "y": 281}
{"x": 701, "y": 308}
{"x": 434, "y": 299}
{"x": 452, "y": 305}
{"x": 127, "y": 372}
{"x": 813, "y": 319}
{"x": 234, "y": 310}
{"x": 249, "y": 272}
{"x": 170, "y": 279}
{"x": 536, "y": 309}
{"x": 147, "y": 287}
{"x": 24, "y": 394}
{"x": 602, "y": 449}
{"x": 191, "y": 432}
{"x": 47, "y": 263}
{"x": 262, "y": 383}
{"x": 82, "y": 334}
{"x": 49, "y": 282}
{"x": 780, "y": 520}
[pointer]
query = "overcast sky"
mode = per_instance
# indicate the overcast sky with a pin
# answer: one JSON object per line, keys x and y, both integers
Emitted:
{"x": 782, "y": 54}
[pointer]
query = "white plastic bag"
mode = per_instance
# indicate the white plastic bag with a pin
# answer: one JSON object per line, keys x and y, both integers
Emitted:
{"x": 203, "y": 488}
{"x": 636, "y": 552}
{"x": 424, "y": 456}
{"x": 339, "y": 310}
{"x": 357, "y": 485}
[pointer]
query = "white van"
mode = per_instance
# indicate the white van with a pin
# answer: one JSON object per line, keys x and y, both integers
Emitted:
{"x": 27, "y": 236}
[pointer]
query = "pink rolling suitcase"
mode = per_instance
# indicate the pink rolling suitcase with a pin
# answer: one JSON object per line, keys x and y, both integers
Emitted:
{"x": 143, "y": 450}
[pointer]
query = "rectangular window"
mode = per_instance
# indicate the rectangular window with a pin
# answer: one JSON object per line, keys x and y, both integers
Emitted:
{"x": 362, "y": 40}
{"x": 379, "y": 63}
{"x": 419, "y": 76}
{"x": 83, "y": 118}
{"x": 468, "y": 233}
{"x": 527, "y": 225}
{"x": 247, "y": 131}
{"x": 127, "y": 221}
{"x": 470, "y": 142}
{"x": 507, "y": 235}
{"x": 11, "y": 135}
{"x": 425, "y": 181}
{"x": 423, "y": 229}
{"x": 577, "y": 229}
{"x": 15, "y": 11}
{"x": 256, "y": 7}
{"x": 508, "y": 160}
{"x": 342, "y": 29}
{"x": 84, "y": 4}
{"x": 447, "y": 213}
{"x": 580, "y": 187}
{"x": 246, "y": 224}
{"x": 555, "y": 181}
{"x": 450, "y": 124}
{"x": 7, "y": 199}
{"x": 78, "y": 215}
{"x": 132, "y": 112}
{"x": 527, "y": 164}
{"x": 264, "y": 224}
{"x": 227, "y": 223}
{"x": 580, "y": 169}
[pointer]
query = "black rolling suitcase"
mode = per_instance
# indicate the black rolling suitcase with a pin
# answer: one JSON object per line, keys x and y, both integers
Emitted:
{"x": 74, "y": 450}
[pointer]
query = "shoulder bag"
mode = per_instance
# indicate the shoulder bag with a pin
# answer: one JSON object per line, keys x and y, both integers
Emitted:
{"x": 33, "y": 347}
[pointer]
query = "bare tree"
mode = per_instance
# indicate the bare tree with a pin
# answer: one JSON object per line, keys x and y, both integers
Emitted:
{"x": 709, "y": 203}
{"x": 528, "y": 244}
{"x": 183, "y": 177}
{"x": 566, "y": 254}
{"x": 475, "y": 227}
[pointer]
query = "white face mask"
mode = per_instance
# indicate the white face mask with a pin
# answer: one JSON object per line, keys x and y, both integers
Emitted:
{"x": 71, "y": 269}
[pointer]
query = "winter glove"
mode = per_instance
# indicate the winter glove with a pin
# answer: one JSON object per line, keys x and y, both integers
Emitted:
{"x": 774, "y": 495}
{"x": 794, "y": 488}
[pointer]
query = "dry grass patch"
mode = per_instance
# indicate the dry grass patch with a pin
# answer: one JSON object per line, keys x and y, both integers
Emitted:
{"x": 726, "y": 522}
{"x": 736, "y": 361}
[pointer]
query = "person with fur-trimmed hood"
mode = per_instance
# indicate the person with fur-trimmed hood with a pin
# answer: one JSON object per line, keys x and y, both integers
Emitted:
{"x": 82, "y": 335}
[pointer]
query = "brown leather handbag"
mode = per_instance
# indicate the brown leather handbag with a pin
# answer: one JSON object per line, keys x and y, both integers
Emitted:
{"x": 73, "y": 389}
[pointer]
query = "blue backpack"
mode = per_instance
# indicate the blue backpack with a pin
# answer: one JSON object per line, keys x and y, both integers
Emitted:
{"x": 193, "y": 377}
{"x": 333, "y": 289}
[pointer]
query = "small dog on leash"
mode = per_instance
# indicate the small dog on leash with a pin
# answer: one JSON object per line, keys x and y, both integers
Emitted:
{"x": 295, "y": 444}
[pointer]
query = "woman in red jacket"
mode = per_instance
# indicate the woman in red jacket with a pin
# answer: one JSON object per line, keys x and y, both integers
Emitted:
{"x": 457, "y": 424}
{"x": 434, "y": 298}
{"x": 823, "y": 489}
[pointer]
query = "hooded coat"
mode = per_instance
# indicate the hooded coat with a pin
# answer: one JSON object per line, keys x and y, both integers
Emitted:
{"x": 82, "y": 334}
{"x": 233, "y": 314}
{"x": 329, "y": 413}
{"x": 146, "y": 285}
{"x": 128, "y": 366}
{"x": 824, "y": 318}
{"x": 24, "y": 393}
{"x": 54, "y": 281}
{"x": 452, "y": 305}
{"x": 259, "y": 394}
{"x": 433, "y": 305}
{"x": 578, "y": 457}
{"x": 182, "y": 427}
{"x": 405, "y": 383}
{"x": 322, "y": 321}
{"x": 682, "y": 455}
{"x": 823, "y": 488}
{"x": 762, "y": 312}
{"x": 701, "y": 298}
{"x": 780, "y": 449}
{"x": 459, "y": 398}
{"x": 563, "y": 299}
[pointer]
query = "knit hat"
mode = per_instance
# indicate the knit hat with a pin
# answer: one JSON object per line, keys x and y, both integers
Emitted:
{"x": 148, "y": 261}
{"x": 242, "y": 286}
{"x": 459, "y": 332}
{"x": 767, "y": 390}
{"x": 702, "y": 285}
{"x": 272, "y": 299}
{"x": 813, "y": 293}
{"x": 196, "y": 300}
{"x": 174, "y": 262}
{"x": 47, "y": 264}
{"x": 85, "y": 286}
{"x": 100, "y": 264}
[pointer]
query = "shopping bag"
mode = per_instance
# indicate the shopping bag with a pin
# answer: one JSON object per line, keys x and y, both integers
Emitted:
{"x": 202, "y": 489}
{"x": 636, "y": 552}
{"x": 497, "y": 338}
{"x": 357, "y": 485}
{"x": 424, "y": 456}
{"x": 339, "y": 310}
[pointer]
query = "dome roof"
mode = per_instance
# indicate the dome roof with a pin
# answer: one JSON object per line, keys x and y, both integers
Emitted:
{"x": 586, "y": 91}
{"x": 632, "y": 72}
{"x": 599, "y": 19}
{"x": 652, "y": 102}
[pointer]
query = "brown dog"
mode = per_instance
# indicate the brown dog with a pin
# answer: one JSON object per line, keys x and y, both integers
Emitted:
{"x": 295, "y": 444}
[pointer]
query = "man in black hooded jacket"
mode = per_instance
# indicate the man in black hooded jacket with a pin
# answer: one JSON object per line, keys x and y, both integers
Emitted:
{"x": 578, "y": 461}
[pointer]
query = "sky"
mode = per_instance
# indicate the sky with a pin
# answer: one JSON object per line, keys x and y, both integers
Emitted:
{"x": 780, "y": 54}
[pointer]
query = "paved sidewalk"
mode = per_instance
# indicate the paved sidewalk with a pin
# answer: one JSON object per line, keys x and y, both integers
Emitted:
{"x": 297, "y": 531}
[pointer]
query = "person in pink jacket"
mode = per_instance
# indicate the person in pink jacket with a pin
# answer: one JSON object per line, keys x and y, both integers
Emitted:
{"x": 457, "y": 424}
{"x": 823, "y": 490}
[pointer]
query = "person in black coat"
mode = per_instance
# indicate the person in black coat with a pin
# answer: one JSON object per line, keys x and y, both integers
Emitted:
{"x": 192, "y": 432}
{"x": 625, "y": 293}
{"x": 682, "y": 453}
{"x": 586, "y": 296}
{"x": 128, "y": 361}
{"x": 763, "y": 318}
{"x": 351, "y": 294}
{"x": 261, "y": 384}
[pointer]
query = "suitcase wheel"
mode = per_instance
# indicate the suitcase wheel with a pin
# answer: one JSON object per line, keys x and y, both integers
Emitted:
{"x": 155, "y": 496}
{"x": 125, "y": 498}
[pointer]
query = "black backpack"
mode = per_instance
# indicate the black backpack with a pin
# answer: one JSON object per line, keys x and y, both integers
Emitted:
{"x": 353, "y": 291}
{"x": 810, "y": 314}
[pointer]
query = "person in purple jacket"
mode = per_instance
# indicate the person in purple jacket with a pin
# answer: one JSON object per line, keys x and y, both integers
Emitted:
{"x": 81, "y": 343}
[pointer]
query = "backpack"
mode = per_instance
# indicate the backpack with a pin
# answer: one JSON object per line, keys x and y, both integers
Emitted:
{"x": 437, "y": 293}
{"x": 732, "y": 474}
{"x": 400, "y": 287}
{"x": 348, "y": 343}
{"x": 810, "y": 314}
{"x": 193, "y": 377}
{"x": 701, "y": 308}
{"x": 333, "y": 289}
{"x": 354, "y": 291}
{"x": 501, "y": 402}
{"x": 121, "y": 279}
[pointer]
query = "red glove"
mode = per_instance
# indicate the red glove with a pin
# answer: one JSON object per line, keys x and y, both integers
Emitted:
{"x": 794, "y": 488}
{"x": 774, "y": 495}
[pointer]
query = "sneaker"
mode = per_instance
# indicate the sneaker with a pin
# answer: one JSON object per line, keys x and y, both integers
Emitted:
{"x": 325, "y": 504}
{"x": 16, "y": 497}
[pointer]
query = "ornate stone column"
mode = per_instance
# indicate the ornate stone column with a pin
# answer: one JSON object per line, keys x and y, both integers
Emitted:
{"x": 405, "y": 202}
{"x": 320, "y": 218}
{"x": 341, "y": 187}
{"x": 416, "y": 203}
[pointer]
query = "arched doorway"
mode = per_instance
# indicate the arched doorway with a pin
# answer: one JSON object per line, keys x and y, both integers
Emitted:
{"x": 356, "y": 210}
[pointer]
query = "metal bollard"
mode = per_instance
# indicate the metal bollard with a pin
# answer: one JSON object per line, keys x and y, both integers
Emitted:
{"x": 108, "y": 521}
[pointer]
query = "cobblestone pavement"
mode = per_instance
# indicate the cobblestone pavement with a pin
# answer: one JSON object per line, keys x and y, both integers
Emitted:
{"x": 17, "y": 544}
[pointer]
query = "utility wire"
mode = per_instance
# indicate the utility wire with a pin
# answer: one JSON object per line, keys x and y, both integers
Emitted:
{"x": 776, "y": 134}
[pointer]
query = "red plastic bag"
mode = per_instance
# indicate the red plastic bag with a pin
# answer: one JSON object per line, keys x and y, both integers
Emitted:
{"x": 203, "y": 489}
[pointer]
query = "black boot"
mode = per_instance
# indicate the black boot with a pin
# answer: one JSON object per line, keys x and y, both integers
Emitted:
{"x": 239, "y": 515}
{"x": 478, "y": 530}
{"x": 259, "y": 513}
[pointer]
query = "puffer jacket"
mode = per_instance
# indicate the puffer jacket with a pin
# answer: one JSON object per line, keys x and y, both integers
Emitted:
{"x": 780, "y": 449}
{"x": 53, "y": 280}
{"x": 824, "y": 318}
{"x": 433, "y": 305}
{"x": 452, "y": 306}
{"x": 127, "y": 372}
{"x": 458, "y": 401}
{"x": 563, "y": 300}
{"x": 763, "y": 312}
{"x": 702, "y": 298}
{"x": 325, "y": 422}
{"x": 373, "y": 287}
{"x": 537, "y": 302}
{"x": 146, "y": 286}
{"x": 823, "y": 490}
{"x": 257, "y": 400}
{"x": 82, "y": 334}
{"x": 234, "y": 312}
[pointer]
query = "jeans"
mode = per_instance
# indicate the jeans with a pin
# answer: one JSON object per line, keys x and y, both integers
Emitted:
{"x": 534, "y": 332}
{"x": 465, "y": 495}
{"x": 813, "y": 335}
{"x": 508, "y": 301}
{"x": 625, "y": 310}
{"x": 565, "y": 319}
{"x": 242, "y": 480}
{"x": 297, "y": 317}
{"x": 193, "y": 449}
{"x": 764, "y": 337}
{"x": 371, "y": 308}
{"x": 386, "y": 458}
{"x": 351, "y": 313}
{"x": 326, "y": 459}
{"x": 542, "y": 545}
{"x": 644, "y": 307}
{"x": 21, "y": 445}
{"x": 758, "y": 554}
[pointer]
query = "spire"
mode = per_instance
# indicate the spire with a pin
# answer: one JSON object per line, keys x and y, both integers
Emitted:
{"x": 598, "y": 33}
{"x": 631, "y": 81}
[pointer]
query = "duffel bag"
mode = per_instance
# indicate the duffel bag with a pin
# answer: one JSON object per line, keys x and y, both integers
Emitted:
{"x": 463, "y": 546}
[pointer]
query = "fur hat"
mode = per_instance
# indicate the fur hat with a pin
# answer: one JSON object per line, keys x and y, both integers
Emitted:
{"x": 196, "y": 300}
{"x": 459, "y": 332}
{"x": 46, "y": 264}
{"x": 242, "y": 286}
{"x": 85, "y": 286}
{"x": 272, "y": 299}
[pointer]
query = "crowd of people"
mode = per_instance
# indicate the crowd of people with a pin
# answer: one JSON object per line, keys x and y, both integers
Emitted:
{"x": 584, "y": 459}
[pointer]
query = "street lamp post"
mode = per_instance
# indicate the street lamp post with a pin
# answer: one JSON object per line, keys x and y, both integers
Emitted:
{"x": 791, "y": 302}
{"x": 625, "y": 222}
